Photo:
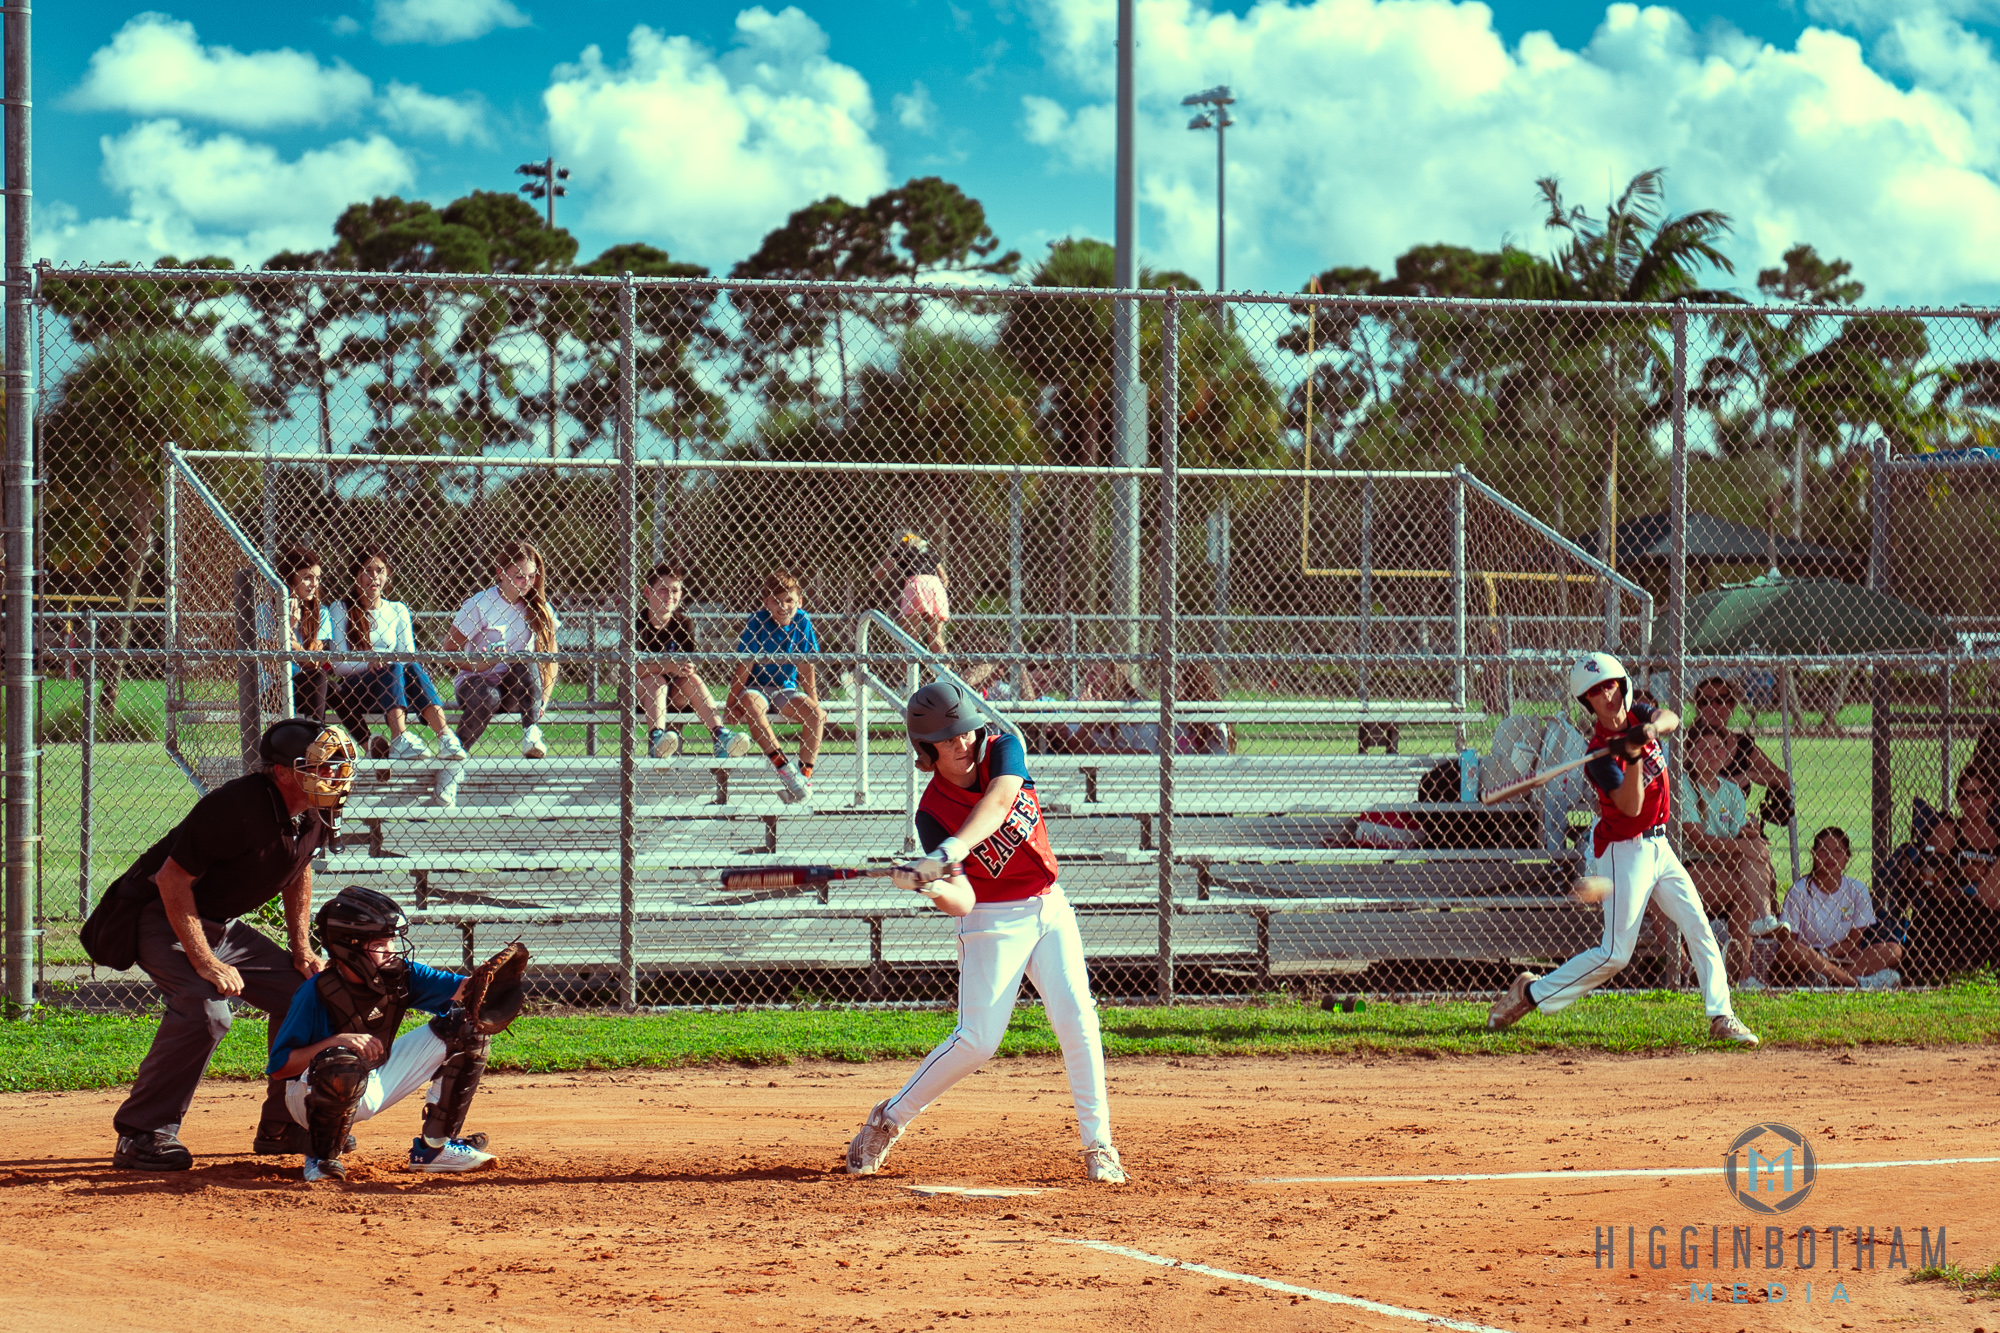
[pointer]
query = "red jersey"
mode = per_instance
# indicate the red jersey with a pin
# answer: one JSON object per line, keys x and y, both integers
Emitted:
{"x": 1016, "y": 861}
{"x": 1613, "y": 824}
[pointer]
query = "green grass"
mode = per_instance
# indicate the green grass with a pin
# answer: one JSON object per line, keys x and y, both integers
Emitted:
{"x": 1981, "y": 1280}
{"x": 62, "y": 1049}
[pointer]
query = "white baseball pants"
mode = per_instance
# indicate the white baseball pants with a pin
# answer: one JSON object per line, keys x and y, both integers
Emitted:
{"x": 1639, "y": 869}
{"x": 998, "y": 943}
{"x": 413, "y": 1061}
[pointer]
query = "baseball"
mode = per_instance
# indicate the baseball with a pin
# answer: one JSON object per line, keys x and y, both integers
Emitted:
{"x": 1593, "y": 888}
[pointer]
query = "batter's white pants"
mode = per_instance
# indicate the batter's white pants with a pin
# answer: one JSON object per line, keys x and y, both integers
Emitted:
{"x": 997, "y": 944}
{"x": 1639, "y": 869}
{"x": 413, "y": 1061}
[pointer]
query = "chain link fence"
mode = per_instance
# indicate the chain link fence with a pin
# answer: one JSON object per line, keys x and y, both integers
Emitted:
{"x": 1268, "y": 618}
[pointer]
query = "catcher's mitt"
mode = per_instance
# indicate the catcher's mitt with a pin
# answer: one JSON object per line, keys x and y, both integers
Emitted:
{"x": 494, "y": 993}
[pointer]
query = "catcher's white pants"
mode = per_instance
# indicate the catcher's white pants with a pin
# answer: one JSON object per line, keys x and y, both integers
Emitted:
{"x": 413, "y": 1061}
{"x": 997, "y": 944}
{"x": 1640, "y": 869}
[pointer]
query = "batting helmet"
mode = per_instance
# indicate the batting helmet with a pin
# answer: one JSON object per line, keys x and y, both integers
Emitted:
{"x": 939, "y": 711}
{"x": 1592, "y": 671}
{"x": 321, "y": 756}
{"x": 356, "y": 915}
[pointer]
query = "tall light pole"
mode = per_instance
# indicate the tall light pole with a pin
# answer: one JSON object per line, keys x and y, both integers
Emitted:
{"x": 1128, "y": 390}
{"x": 1217, "y": 118}
{"x": 545, "y": 182}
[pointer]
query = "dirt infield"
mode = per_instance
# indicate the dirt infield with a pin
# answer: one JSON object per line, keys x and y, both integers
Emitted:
{"x": 712, "y": 1199}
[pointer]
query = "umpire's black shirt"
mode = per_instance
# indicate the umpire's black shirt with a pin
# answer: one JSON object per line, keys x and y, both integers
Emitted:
{"x": 239, "y": 844}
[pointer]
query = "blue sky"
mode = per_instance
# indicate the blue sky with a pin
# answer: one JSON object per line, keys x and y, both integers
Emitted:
{"x": 1869, "y": 128}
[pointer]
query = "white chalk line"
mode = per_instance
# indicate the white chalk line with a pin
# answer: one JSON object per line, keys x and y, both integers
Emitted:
{"x": 1604, "y": 1174}
{"x": 1289, "y": 1289}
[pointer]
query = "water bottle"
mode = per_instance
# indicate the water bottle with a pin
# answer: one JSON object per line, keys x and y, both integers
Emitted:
{"x": 1468, "y": 777}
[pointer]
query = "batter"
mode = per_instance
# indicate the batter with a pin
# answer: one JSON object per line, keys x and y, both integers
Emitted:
{"x": 1629, "y": 848}
{"x": 990, "y": 865}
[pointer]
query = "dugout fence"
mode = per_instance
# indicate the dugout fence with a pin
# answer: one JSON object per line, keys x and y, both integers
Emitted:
{"x": 1361, "y": 539}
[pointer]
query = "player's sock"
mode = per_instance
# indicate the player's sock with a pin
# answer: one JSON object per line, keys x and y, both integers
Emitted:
{"x": 1529, "y": 991}
{"x": 777, "y": 758}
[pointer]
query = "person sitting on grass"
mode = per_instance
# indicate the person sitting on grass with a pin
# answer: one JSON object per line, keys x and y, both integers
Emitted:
{"x": 367, "y": 622}
{"x": 760, "y": 689}
{"x": 1954, "y": 904}
{"x": 1828, "y": 914}
{"x": 664, "y": 626}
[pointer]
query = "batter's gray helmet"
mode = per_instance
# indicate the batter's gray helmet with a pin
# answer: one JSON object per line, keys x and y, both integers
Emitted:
{"x": 941, "y": 710}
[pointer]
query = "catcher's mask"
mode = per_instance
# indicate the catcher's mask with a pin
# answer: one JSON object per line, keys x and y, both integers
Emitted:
{"x": 938, "y": 712}
{"x": 357, "y": 915}
{"x": 320, "y": 755}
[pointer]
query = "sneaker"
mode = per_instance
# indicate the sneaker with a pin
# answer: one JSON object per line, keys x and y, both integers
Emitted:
{"x": 1887, "y": 979}
{"x": 455, "y": 1155}
{"x": 161, "y": 1150}
{"x": 663, "y": 744}
{"x": 378, "y": 747}
{"x": 872, "y": 1144}
{"x": 1765, "y": 926}
{"x": 1727, "y": 1027}
{"x": 325, "y": 1168}
{"x": 407, "y": 746}
{"x": 1100, "y": 1162}
{"x": 731, "y": 744}
{"x": 531, "y": 744}
{"x": 449, "y": 747}
{"x": 446, "y": 791}
{"x": 1512, "y": 1007}
{"x": 793, "y": 788}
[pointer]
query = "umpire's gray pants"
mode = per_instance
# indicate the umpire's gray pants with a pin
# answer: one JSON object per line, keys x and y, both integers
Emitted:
{"x": 197, "y": 1014}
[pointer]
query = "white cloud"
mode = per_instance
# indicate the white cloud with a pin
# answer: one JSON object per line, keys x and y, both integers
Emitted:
{"x": 441, "y": 22}
{"x": 704, "y": 153}
{"x": 156, "y": 66}
{"x": 1368, "y": 125}
{"x": 189, "y": 195}
{"x": 915, "y": 110}
{"x": 454, "y": 119}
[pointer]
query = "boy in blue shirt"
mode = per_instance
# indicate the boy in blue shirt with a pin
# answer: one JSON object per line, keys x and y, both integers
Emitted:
{"x": 791, "y": 691}
{"x": 344, "y": 1061}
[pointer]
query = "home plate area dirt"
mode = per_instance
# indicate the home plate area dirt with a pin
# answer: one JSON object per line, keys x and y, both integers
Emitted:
{"x": 714, "y": 1199}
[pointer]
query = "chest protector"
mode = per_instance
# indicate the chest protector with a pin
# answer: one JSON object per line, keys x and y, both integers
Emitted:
{"x": 352, "y": 1008}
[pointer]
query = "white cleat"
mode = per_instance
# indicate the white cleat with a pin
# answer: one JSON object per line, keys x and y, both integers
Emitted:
{"x": 872, "y": 1144}
{"x": 1512, "y": 1006}
{"x": 455, "y": 1155}
{"x": 1728, "y": 1027}
{"x": 1100, "y": 1163}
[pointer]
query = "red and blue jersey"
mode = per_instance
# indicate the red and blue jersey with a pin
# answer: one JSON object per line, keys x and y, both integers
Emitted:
{"x": 1613, "y": 824}
{"x": 1016, "y": 861}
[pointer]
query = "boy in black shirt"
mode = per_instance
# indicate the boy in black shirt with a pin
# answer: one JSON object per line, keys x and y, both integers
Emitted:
{"x": 665, "y": 627}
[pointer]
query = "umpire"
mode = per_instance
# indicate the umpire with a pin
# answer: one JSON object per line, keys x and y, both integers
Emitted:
{"x": 177, "y": 913}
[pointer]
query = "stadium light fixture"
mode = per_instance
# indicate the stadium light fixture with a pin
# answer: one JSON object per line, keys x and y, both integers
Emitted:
{"x": 545, "y": 182}
{"x": 1218, "y": 101}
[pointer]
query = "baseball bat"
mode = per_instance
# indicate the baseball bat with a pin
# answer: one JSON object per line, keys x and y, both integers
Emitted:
{"x": 792, "y": 877}
{"x": 1526, "y": 785}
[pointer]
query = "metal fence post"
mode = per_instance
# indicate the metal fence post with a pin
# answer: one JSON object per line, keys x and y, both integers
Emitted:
{"x": 22, "y": 757}
{"x": 628, "y": 671}
{"x": 87, "y": 819}
{"x": 1075, "y": 670}
{"x": 861, "y": 673}
{"x": 1014, "y": 640}
{"x": 1458, "y": 672}
{"x": 1677, "y": 504}
{"x": 1881, "y": 800}
{"x": 1169, "y": 600}
{"x": 170, "y": 600}
{"x": 1367, "y": 592}
{"x": 590, "y": 694}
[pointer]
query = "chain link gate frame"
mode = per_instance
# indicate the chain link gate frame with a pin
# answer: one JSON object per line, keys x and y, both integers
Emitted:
{"x": 1250, "y": 842}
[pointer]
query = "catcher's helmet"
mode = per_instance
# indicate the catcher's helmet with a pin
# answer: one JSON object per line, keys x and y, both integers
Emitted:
{"x": 1592, "y": 671}
{"x": 321, "y": 756}
{"x": 939, "y": 711}
{"x": 351, "y": 918}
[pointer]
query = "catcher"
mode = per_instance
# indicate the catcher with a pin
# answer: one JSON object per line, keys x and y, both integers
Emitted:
{"x": 341, "y": 1057}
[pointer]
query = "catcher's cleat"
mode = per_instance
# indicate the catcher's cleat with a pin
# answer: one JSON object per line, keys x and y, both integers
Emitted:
{"x": 160, "y": 1150}
{"x": 1100, "y": 1162}
{"x": 455, "y": 1155}
{"x": 1513, "y": 1006}
{"x": 878, "y": 1135}
{"x": 325, "y": 1168}
{"x": 1727, "y": 1027}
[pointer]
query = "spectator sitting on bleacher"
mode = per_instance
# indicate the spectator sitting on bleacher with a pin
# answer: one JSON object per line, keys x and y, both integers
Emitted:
{"x": 760, "y": 689}
{"x": 664, "y": 626}
{"x": 299, "y": 567}
{"x": 1728, "y": 858}
{"x": 512, "y": 616}
{"x": 369, "y": 623}
{"x": 1828, "y": 914}
{"x": 1745, "y": 762}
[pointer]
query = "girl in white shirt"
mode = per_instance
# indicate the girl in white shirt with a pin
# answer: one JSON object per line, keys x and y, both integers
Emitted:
{"x": 1828, "y": 911}
{"x": 512, "y": 616}
{"x": 392, "y": 682}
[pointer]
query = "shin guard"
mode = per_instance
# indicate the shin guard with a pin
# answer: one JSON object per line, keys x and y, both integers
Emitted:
{"x": 457, "y": 1078}
{"x": 335, "y": 1081}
